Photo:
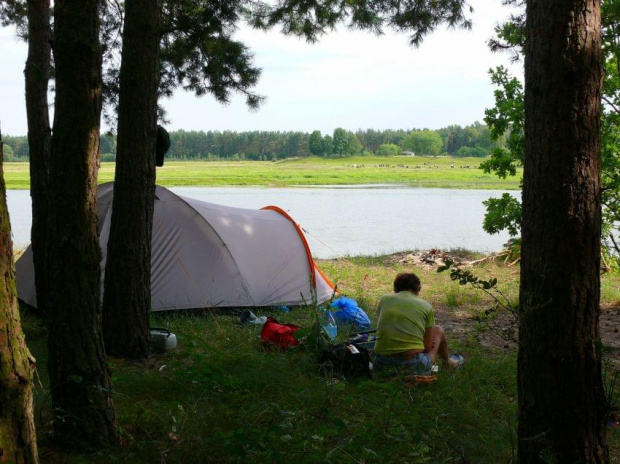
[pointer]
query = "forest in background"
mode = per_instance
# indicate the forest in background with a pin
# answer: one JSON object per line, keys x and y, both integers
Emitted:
{"x": 473, "y": 140}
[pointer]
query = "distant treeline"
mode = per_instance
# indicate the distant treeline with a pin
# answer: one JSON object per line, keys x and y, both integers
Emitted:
{"x": 473, "y": 140}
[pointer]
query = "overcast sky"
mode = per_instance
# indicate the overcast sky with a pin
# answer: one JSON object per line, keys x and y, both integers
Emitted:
{"x": 349, "y": 79}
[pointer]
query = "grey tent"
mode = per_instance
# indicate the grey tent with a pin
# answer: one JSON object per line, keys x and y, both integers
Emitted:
{"x": 206, "y": 255}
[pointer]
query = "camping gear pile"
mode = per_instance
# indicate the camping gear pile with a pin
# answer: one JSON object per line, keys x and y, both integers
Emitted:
{"x": 349, "y": 359}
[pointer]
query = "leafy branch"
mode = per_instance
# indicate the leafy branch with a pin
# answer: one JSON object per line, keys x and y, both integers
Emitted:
{"x": 466, "y": 277}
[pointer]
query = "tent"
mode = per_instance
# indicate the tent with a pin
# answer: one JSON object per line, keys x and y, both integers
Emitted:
{"x": 207, "y": 256}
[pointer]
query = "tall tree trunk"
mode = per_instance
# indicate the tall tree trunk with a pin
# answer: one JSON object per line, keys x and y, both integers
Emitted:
{"x": 561, "y": 395}
{"x": 18, "y": 442}
{"x": 127, "y": 287}
{"x": 79, "y": 378}
{"x": 37, "y": 77}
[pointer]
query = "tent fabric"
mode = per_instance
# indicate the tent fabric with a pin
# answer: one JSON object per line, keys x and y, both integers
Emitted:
{"x": 208, "y": 256}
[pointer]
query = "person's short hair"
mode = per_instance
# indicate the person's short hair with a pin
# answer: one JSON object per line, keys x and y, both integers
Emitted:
{"x": 407, "y": 281}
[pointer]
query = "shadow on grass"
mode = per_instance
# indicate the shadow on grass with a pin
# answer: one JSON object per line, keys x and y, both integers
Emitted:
{"x": 221, "y": 398}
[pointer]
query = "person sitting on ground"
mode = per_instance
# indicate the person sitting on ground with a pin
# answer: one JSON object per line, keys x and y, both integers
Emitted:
{"x": 407, "y": 336}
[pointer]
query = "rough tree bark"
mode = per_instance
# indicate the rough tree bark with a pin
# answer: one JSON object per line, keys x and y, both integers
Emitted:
{"x": 127, "y": 287}
{"x": 18, "y": 442}
{"x": 561, "y": 396}
{"x": 79, "y": 377}
{"x": 37, "y": 77}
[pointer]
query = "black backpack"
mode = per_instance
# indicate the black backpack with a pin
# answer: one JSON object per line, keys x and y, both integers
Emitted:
{"x": 346, "y": 359}
{"x": 161, "y": 146}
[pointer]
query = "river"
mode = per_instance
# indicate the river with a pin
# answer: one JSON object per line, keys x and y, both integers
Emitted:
{"x": 346, "y": 220}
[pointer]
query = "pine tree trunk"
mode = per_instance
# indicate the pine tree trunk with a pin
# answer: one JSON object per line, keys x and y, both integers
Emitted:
{"x": 37, "y": 76}
{"x": 127, "y": 290}
{"x": 18, "y": 442}
{"x": 561, "y": 396}
{"x": 79, "y": 378}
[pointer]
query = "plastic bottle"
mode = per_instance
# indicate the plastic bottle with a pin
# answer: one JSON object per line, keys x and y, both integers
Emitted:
{"x": 329, "y": 325}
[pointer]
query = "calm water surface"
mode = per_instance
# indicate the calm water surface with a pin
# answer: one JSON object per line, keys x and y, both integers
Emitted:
{"x": 341, "y": 221}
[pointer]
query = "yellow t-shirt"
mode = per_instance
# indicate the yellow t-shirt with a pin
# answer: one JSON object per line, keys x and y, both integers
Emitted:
{"x": 403, "y": 319}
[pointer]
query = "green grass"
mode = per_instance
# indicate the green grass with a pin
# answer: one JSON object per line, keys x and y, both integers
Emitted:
{"x": 610, "y": 289}
{"x": 409, "y": 171}
{"x": 221, "y": 398}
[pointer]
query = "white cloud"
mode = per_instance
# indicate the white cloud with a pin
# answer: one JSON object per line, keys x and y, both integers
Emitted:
{"x": 12, "y": 103}
{"x": 358, "y": 80}
{"x": 350, "y": 79}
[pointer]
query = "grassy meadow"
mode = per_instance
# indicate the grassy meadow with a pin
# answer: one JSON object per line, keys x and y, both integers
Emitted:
{"x": 441, "y": 172}
{"x": 221, "y": 398}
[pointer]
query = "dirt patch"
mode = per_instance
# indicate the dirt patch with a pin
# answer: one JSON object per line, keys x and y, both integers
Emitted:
{"x": 500, "y": 331}
{"x": 609, "y": 329}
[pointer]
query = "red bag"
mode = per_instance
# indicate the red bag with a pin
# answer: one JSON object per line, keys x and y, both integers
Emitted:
{"x": 279, "y": 335}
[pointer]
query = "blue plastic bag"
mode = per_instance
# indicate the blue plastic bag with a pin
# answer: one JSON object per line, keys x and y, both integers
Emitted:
{"x": 349, "y": 313}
